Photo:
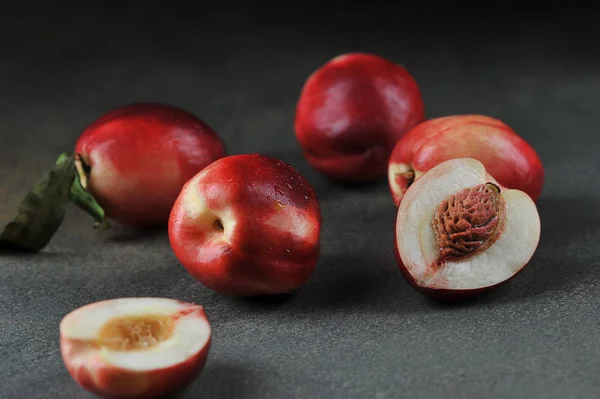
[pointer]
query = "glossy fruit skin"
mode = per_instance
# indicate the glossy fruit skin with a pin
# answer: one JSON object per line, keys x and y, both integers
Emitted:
{"x": 508, "y": 157}
{"x": 352, "y": 111}
{"x": 141, "y": 155}
{"x": 114, "y": 382}
{"x": 274, "y": 245}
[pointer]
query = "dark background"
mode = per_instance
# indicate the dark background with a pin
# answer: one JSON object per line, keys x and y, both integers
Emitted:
{"x": 356, "y": 329}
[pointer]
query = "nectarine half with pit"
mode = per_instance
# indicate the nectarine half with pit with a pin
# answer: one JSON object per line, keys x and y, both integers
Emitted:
{"x": 459, "y": 232}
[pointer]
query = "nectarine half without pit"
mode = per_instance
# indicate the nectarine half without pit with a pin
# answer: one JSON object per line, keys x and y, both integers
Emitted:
{"x": 459, "y": 232}
{"x": 135, "y": 347}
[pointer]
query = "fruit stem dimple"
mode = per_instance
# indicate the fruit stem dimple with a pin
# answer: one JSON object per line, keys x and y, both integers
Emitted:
{"x": 408, "y": 176}
{"x": 218, "y": 226}
{"x": 403, "y": 177}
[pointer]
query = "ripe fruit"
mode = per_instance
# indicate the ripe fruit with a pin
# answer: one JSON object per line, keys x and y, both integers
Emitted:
{"x": 459, "y": 232}
{"x": 247, "y": 225}
{"x": 506, "y": 156}
{"x": 135, "y": 347}
{"x": 139, "y": 156}
{"x": 352, "y": 111}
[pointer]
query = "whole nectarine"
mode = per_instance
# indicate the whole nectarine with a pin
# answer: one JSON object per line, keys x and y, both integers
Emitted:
{"x": 505, "y": 154}
{"x": 138, "y": 157}
{"x": 247, "y": 225}
{"x": 352, "y": 111}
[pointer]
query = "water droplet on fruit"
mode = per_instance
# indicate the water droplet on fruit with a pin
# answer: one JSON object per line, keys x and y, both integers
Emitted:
{"x": 288, "y": 251}
{"x": 306, "y": 197}
{"x": 289, "y": 185}
{"x": 281, "y": 204}
{"x": 279, "y": 191}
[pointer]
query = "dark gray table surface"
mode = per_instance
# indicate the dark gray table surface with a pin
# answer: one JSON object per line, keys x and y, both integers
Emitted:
{"x": 356, "y": 329}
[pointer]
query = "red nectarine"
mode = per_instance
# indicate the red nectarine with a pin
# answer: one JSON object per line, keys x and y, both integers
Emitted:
{"x": 247, "y": 225}
{"x": 506, "y": 155}
{"x": 139, "y": 156}
{"x": 352, "y": 111}
{"x": 459, "y": 232}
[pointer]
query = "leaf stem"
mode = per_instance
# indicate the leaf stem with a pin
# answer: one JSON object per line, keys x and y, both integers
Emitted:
{"x": 81, "y": 197}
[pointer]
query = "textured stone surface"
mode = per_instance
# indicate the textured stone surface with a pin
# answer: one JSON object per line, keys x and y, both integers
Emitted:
{"x": 356, "y": 330}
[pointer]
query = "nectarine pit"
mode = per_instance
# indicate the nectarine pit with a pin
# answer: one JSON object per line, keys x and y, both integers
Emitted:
{"x": 468, "y": 222}
{"x": 129, "y": 333}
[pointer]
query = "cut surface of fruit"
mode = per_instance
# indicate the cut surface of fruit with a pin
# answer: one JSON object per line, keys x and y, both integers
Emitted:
{"x": 457, "y": 228}
{"x": 134, "y": 339}
{"x": 127, "y": 333}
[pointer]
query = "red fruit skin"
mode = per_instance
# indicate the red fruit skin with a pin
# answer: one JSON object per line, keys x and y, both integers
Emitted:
{"x": 506, "y": 156}
{"x": 352, "y": 111}
{"x": 141, "y": 155}
{"x": 113, "y": 382}
{"x": 261, "y": 256}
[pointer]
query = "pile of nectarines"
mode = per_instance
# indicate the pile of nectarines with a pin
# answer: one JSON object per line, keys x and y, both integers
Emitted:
{"x": 465, "y": 187}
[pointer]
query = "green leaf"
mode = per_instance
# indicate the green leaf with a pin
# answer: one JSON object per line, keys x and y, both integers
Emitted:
{"x": 42, "y": 210}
